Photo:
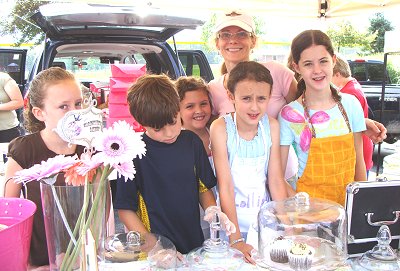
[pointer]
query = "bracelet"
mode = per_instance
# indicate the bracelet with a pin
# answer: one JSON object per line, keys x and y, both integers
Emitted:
{"x": 237, "y": 241}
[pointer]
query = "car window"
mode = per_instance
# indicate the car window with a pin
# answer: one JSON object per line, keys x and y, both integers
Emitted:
{"x": 375, "y": 72}
{"x": 359, "y": 72}
{"x": 190, "y": 65}
{"x": 11, "y": 63}
{"x": 88, "y": 69}
{"x": 93, "y": 69}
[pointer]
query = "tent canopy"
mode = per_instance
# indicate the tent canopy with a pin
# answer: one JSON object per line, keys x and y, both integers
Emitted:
{"x": 288, "y": 8}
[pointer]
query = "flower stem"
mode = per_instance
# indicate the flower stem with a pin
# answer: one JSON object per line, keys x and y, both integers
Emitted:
{"x": 99, "y": 194}
{"x": 66, "y": 263}
{"x": 64, "y": 219}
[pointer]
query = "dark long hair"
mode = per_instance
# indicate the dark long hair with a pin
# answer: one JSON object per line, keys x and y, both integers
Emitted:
{"x": 248, "y": 70}
{"x": 305, "y": 40}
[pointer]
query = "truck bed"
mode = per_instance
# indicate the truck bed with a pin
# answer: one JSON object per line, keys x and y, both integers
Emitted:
{"x": 391, "y": 107}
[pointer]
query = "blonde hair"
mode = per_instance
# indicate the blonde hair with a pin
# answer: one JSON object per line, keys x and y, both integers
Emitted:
{"x": 342, "y": 67}
{"x": 37, "y": 93}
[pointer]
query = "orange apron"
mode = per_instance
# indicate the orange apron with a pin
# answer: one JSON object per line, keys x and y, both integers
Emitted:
{"x": 330, "y": 165}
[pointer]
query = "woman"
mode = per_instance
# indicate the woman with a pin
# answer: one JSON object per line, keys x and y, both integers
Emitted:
{"x": 235, "y": 39}
{"x": 10, "y": 100}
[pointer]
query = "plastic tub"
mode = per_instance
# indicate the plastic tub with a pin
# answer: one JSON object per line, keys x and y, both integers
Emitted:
{"x": 17, "y": 214}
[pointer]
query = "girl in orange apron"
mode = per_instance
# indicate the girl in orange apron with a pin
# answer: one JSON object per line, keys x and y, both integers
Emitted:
{"x": 325, "y": 126}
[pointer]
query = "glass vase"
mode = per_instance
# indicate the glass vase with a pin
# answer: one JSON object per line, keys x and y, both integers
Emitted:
{"x": 75, "y": 224}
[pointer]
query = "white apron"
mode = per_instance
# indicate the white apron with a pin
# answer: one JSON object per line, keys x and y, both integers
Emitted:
{"x": 250, "y": 179}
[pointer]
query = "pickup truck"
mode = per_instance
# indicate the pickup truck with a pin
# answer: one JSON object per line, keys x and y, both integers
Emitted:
{"x": 370, "y": 74}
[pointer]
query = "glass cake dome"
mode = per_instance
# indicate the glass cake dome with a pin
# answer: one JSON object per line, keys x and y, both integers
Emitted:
{"x": 302, "y": 233}
{"x": 158, "y": 250}
{"x": 215, "y": 254}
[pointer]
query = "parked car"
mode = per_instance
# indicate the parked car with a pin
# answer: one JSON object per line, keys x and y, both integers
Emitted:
{"x": 85, "y": 39}
{"x": 370, "y": 74}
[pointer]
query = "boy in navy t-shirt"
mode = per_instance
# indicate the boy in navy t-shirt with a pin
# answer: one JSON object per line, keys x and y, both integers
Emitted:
{"x": 175, "y": 174}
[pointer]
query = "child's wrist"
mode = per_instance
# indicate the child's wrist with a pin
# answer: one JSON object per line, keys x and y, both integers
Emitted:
{"x": 234, "y": 242}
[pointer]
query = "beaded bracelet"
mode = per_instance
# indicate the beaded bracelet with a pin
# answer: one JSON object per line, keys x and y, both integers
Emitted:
{"x": 237, "y": 241}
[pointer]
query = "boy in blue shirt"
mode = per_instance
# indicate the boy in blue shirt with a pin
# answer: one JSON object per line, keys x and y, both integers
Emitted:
{"x": 173, "y": 177}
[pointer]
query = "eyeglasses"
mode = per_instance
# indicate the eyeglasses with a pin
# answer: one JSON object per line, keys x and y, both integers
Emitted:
{"x": 241, "y": 35}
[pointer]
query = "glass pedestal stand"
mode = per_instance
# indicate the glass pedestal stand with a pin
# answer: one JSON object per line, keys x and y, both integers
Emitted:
{"x": 215, "y": 254}
{"x": 380, "y": 257}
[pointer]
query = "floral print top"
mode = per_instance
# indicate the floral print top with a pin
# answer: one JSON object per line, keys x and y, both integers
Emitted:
{"x": 296, "y": 128}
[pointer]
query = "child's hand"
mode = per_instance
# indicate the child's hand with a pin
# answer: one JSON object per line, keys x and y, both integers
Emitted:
{"x": 247, "y": 251}
{"x": 225, "y": 223}
{"x": 376, "y": 131}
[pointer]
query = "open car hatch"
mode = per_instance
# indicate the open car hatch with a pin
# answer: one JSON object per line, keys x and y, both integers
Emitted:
{"x": 81, "y": 19}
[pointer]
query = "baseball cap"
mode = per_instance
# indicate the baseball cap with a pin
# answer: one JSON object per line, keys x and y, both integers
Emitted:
{"x": 234, "y": 18}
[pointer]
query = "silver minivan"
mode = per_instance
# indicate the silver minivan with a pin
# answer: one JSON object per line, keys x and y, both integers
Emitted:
{"x": 86, "y": 38}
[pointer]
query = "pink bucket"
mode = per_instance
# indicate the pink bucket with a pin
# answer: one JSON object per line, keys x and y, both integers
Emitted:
{"x": 17, "y": 214}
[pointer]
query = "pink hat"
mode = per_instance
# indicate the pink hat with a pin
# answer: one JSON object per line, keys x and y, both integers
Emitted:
{"x": 234, "y": 18}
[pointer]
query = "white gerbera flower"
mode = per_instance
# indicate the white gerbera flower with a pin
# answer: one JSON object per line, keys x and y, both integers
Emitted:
{"x": 119, "y": 144}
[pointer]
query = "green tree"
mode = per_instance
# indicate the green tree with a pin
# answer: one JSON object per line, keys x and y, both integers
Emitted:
{"x": 378, "y": 26}
{"x": 207, "y": 33}
{"x": 345, "y": 35}
{"x": 19, "y": 25}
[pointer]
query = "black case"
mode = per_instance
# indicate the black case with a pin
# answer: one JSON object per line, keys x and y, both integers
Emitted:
{"x": 379, "y": 199}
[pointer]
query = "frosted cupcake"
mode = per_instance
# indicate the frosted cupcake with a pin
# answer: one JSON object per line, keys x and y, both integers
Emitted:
{"x": 300, "y": 256}
{"x": 278, "y": 250}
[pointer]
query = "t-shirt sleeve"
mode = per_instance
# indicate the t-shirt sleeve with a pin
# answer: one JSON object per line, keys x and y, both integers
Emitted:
{"x": 354, "y": 112}
{"x": 204, "y": 173}
{"x": 281, "y": 75}
{"x": 4, "y": 78}
{"x": 20, "y": 150}
{"x": 212, "y": 88}
{"x": 126, "y": 195}
{"x": 286, "y": 133}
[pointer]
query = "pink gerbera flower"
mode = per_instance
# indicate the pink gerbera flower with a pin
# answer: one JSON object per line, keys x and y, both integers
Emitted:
{"x": 45, "y": 169}
{"x": 88, "y": 163}
{"x": 126, "y": 169}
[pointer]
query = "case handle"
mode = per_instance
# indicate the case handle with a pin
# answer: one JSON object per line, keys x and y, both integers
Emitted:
{"x": 380, "y": 223}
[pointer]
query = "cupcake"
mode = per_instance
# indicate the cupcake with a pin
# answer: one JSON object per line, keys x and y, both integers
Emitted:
{"x": 278, "y": 250}
{"x": 300, "y": 256}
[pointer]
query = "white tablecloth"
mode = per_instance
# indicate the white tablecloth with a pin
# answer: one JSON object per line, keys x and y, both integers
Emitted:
{"x": 144, "y": 266}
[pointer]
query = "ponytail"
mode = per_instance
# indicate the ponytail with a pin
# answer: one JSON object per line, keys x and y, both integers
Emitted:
{"x": 301, "y": 87}
{"x": 31, "y": 123}
{"x": 223, "y": 70}
{"x": 335, "y": 93}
